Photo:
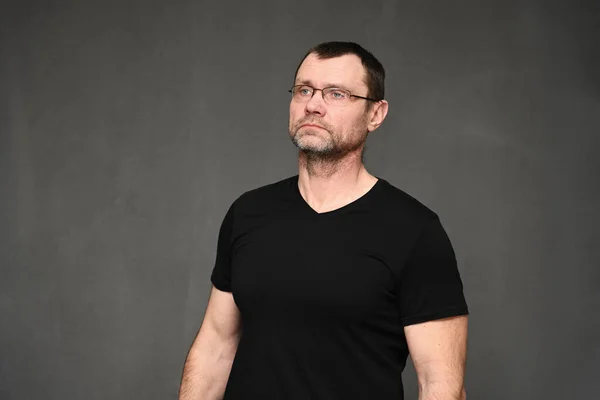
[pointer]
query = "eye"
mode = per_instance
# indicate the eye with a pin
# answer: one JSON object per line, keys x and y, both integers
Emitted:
{"x": 304, "y": 91}
{"x": 338, "y": 94}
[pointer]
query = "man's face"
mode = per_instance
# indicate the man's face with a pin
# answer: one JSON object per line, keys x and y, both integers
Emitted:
{"x": 329, "y": 130}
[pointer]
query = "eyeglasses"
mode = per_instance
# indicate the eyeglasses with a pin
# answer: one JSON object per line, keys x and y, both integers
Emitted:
{"x": 331, "y": 95}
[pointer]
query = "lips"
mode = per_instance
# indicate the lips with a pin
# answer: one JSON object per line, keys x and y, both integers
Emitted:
{"x": 312, "y": 126}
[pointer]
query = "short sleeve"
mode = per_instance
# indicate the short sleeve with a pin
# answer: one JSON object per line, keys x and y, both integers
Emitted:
{"x": 221, "y": 273}
{"x": 429, "y": 286}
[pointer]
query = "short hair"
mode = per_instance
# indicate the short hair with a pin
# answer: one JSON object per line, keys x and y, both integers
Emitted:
{"x": 375, "y": 76}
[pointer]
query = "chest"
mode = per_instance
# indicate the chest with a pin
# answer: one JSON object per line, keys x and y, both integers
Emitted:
{"x": 333, "y": 268}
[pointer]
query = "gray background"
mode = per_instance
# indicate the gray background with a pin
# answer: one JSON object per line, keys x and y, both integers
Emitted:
{"x": 128, "y": 127}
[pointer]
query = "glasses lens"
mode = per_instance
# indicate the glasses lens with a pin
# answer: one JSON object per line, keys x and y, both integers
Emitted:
{"x": 335, "y": 95}
{"x": 302, "y": 92}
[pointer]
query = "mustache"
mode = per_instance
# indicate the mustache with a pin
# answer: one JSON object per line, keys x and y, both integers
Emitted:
{"x": 312, "y": 121}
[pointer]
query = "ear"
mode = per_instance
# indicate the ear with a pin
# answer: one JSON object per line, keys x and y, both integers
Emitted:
{"x": 377, "y": 114}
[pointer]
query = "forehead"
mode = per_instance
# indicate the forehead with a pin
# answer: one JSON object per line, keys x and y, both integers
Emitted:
{"x": 346, "y": 70}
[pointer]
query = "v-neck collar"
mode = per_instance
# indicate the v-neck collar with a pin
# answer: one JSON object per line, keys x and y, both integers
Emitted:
{"x": 338, "y": 210}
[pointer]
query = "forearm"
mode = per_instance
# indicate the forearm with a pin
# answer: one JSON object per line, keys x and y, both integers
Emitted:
{"x": 438, "y": 391}
{"x": 206, "y": 372}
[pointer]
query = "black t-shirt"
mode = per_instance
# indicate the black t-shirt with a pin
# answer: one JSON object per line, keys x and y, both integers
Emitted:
{"x": 324, "y": 297}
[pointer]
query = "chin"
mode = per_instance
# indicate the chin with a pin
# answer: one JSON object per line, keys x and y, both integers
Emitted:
{"x": 318, "y": 151}
{"x": 311, "y": 144}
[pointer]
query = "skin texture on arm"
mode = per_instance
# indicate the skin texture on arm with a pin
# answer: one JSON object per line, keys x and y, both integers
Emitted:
{"x": 439, "y": 353}
{"x": 209, "y": 360}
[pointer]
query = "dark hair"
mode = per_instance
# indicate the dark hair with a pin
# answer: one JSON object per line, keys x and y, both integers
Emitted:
{"x": 375, "y": 79}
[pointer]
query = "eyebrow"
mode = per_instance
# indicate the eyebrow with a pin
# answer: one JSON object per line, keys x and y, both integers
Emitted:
{"x": 334, "y": 85}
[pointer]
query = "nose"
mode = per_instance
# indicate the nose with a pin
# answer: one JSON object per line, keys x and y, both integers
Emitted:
{"x": 315, "y": 105}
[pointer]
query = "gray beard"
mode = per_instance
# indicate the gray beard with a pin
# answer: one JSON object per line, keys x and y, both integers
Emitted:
{"x": 329, "y": 154}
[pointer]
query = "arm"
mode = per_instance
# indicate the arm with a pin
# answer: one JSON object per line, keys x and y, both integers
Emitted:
{"x": 209, "y": 360}
{"x": 439, "y": 350}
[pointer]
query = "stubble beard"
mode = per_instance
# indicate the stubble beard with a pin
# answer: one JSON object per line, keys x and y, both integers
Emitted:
{"x": 332, "y": 147}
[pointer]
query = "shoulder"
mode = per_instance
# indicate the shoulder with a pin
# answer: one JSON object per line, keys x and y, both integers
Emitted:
{"x": 264, "y": 197}
{"x": 396, "y": 202}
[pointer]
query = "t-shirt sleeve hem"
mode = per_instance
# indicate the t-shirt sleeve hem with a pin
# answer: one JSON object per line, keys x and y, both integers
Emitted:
{"x": 450, "y": 312}
{"x": 222, "y": 286}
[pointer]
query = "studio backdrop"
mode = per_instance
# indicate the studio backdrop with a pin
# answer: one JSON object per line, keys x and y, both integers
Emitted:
{"x": 127, "y": 128}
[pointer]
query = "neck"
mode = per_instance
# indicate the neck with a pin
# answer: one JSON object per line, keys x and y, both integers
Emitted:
{"x": 327, "y": 184}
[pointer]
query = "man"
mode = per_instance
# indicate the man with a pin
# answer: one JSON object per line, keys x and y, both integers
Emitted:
{"x": 325, "y": 281}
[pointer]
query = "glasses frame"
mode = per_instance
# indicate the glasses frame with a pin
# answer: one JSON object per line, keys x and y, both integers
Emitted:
{"x": 330, "y": 87}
